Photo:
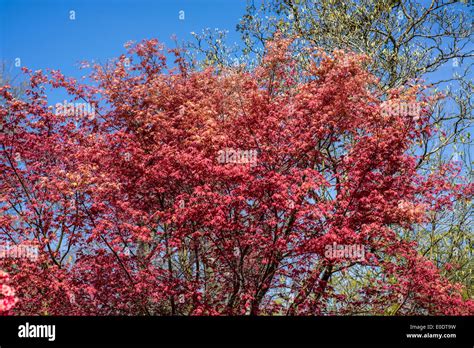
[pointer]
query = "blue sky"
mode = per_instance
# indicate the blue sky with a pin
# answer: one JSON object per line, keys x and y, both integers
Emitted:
{"x": 42, "y": 35}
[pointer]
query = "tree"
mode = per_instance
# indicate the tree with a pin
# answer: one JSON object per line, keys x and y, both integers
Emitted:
{"x": 406, "y": 41}
{"x": 223, "y": 192}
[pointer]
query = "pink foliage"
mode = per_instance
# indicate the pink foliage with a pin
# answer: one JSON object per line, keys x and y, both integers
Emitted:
{"x": 134, "y": 214}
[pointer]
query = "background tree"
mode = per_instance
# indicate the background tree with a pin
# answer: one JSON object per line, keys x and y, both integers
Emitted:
{"x": 407, "y": 41}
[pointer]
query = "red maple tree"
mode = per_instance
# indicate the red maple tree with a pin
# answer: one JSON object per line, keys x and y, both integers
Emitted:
{"x": 219, "y": 192}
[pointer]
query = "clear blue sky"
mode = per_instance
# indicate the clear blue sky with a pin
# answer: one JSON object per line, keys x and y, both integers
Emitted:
{"x": 41, "y": 33}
